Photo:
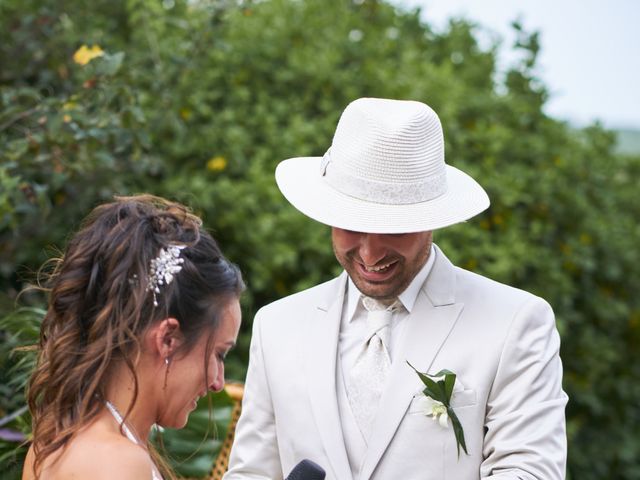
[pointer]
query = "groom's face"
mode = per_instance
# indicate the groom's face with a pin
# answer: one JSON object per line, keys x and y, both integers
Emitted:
{"x": 381, "y": 265}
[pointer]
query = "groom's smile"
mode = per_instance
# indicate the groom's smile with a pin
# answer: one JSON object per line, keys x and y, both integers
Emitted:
{"x": 381, "y": 265}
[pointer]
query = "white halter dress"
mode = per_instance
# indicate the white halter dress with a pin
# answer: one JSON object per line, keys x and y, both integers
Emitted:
{"x": 155, "y": 475}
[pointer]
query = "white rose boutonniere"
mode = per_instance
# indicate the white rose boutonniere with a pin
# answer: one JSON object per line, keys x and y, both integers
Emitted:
{"x": 437, "y": 402}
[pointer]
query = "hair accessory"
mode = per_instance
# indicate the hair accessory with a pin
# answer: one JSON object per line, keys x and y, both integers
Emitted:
{"x": 163, "y": 269}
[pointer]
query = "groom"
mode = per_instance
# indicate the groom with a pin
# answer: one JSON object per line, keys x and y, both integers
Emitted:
{"x": 329, "y": 376}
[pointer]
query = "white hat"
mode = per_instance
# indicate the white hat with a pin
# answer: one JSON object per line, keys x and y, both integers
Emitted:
{"x": 384, "y": 173}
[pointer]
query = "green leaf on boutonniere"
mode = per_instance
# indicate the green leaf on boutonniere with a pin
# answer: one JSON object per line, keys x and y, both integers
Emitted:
{"x": 439, "y": 387}
{"x": 449, "y": 382}
{"x": 434, "y": 389}
{"x": 457, "y": 429}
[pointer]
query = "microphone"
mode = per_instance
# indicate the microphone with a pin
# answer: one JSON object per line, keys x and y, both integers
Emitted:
{"x": 306, "y": 470}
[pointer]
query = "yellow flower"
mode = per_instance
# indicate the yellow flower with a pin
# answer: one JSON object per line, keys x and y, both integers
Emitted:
{"x": 585, "y": 239}
{"x": 217, "y": 164}
{"x": 85, "y": 54}
{"x": 66, "y": 118}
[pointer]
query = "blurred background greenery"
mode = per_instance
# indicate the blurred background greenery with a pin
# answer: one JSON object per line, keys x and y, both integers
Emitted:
{"x": 198, "y": 100}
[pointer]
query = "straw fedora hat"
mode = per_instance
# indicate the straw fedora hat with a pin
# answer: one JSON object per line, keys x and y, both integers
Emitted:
{"x": 384, "y": 173}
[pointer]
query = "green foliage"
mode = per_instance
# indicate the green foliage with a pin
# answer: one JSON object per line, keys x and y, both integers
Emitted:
{"x": 19, "y": 330}
{"x": 198, "y": 101}
{"x": 628, "y": 141}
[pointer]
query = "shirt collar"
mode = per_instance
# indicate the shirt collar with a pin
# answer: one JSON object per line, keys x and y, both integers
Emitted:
{"x": 407, "y": 298}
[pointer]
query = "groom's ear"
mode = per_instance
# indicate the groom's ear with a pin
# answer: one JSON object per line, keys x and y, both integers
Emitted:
{"x": 165, "y": 337}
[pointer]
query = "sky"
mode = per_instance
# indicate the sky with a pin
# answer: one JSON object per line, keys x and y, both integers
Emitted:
{"x": 590, "y": 50}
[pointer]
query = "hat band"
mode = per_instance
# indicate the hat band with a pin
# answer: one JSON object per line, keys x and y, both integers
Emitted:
{"x": 382, "y": 192}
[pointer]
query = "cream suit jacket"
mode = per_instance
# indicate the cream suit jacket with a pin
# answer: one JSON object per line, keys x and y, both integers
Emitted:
{"x": 500, "y": 341}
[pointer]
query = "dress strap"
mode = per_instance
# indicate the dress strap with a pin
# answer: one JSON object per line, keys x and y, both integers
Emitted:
{"x": 155, "y": 475}
{"x": 128, "y": 433}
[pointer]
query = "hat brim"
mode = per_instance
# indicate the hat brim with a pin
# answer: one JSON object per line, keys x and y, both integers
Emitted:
{"x": 301, "y": 183}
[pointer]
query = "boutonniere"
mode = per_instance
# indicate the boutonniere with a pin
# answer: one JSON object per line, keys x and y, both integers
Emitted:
{"x": 438, "y": 392}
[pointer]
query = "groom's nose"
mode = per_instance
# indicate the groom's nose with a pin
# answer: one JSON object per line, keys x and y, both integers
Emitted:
{"x": 372, "y": 248}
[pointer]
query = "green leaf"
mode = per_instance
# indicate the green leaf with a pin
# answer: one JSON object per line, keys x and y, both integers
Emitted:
{"x": 449, "y": 382}
{"x": 430, "y": 393}
{"x": 438, "y": 387}
{"x": 109, "y": 64}
{"x": 457, "y": 430}
{"x": 433, "y": 390}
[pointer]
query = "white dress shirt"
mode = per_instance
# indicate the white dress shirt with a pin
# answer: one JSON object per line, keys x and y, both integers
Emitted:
{"x": 353, "y": 334}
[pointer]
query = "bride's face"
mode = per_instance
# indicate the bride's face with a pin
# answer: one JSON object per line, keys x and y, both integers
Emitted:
{"x": 191, "y": 376}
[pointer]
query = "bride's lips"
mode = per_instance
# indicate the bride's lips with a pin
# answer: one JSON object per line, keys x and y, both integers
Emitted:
{"x": 194, "y": 404}
{"x": 377, "y": 273}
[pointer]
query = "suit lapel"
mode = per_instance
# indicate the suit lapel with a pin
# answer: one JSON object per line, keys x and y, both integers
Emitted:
{"x": 320, "y": 354}
{"x": 431, "y": 321}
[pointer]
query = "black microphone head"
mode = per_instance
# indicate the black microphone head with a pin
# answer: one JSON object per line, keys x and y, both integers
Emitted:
{"x": 307, "y": 470}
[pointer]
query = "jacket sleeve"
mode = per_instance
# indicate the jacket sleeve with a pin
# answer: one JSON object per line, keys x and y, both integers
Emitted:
{"x": 254, "y": 455}
{"x": 525, "y": 435}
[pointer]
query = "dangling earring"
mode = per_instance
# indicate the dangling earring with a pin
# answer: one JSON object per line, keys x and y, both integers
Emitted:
{"x": 166, "y": 373}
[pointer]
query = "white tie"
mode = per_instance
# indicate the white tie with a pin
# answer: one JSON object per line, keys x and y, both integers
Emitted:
{"x": 369, "y": 373}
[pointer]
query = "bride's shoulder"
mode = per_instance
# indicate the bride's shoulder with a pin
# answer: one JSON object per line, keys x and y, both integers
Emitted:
{"x": 98, "y": 453}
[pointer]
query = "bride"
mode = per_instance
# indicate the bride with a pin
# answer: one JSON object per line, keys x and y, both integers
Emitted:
{"x": 143, "y": 308}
